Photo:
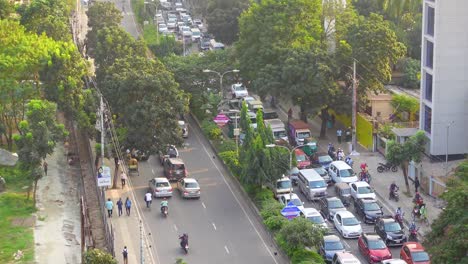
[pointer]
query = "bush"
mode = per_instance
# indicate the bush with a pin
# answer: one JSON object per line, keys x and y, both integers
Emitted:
{"x": 95, "y": 256}
{"x": 227, "y": 145}
{"x": 300, "y": 233}
{"x": 275, "y": 223}
{"x": 412, "y": 73}
{"x": 270, "y": 208}
{"x": 231, "y": 159}
{"x": 211, "y": 130}
{"x": 304, "y": 256}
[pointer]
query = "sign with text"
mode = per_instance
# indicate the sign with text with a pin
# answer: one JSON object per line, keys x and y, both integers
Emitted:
{"x": 290, "y": 211}
{"x": 104, "y": 176}
{"x": 221, "y": 119}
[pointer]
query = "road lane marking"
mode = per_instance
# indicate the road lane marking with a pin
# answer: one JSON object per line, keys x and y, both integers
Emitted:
{"x": 199, "y": 171}
{"x": 236, "y": 198}
{"x": 226, "y": 248}
{"x": 347, "y": 245}
{"x": 153, "y": 172}
{"x": 203, "y": 204}
{"x": 214, "y": 226}
{"x": 175, "y": 228}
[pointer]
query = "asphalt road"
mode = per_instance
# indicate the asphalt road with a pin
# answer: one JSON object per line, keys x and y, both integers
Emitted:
{"x": 222, "y": 227}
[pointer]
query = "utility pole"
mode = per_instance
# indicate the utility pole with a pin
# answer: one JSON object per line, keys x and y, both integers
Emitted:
{"x": 354, "y": 112}
{"x": 102, "y": 130}
{"x": 447, "y": 147}
{"x": 142, "y": 257}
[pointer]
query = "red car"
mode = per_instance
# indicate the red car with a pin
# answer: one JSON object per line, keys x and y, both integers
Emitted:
{"x": 373, "y": 248}
{"x": 302, "y": 159}
{"x": 414, "y": 253}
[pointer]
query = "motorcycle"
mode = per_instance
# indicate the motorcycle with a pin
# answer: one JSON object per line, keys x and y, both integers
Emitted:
{"x": 413, "y": 236}
{"x": 365, "y": 176}
{"x": 394, "y": 195}
{"x": 184, "y": 243}
{"x": 386, "y": 167}
{"x": 164, "y": 210}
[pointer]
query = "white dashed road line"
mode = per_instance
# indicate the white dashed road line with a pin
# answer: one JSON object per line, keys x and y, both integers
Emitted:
{"x": 175, "y": 228}
{"x": 227, "y": 250}
{"x": 214, "y": 226}
{"x": 203, "y": 204}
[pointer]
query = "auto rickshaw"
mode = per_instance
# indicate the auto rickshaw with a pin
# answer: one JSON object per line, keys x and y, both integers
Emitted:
{"x": 310, "y": 149}
{"x": 133, "y": 167}
{"x": 343, "y": 191}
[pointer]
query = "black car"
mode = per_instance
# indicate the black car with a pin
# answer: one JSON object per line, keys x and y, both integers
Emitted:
{"x": 390, "y": 231}
{"x": 330, "y": 205}
{"x": 368, "y": 209}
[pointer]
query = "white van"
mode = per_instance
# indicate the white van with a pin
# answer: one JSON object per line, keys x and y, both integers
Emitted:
{"x": 283, "y": 186}
{"x": 278, "y": 129}
{"x": 339, "y": 171}
{"x": 196, "y": 34}
{"x": 345, "y": 258}
{"x": 312, "y": 184}
{"x": 216, "y": 45}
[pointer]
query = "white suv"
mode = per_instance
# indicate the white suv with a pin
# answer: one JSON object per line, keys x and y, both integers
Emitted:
{"x": 339, "y": 171}
{"x": 361, "y": 189}
{"x": 239, "y": 91}
{"x": 347, "y": 224}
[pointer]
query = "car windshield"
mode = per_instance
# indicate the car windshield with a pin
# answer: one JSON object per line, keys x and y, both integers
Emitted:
{"x": 191, "y": 185}
{"x": 371, "y": 207}
{"x": 297, "y": 202}
{"x": 365, "y": 190}
{"x": 392, "y": 227}
{"x": 419, "y": 256}
{"x": 301, "y": 158}
{"x": 280, "y": 134}
{"x": 324, "y": 159}
{"x": 317, "y": 184}
{"x": 335, "y": 245}
{"x": 376, "y": 244}
{"x": 320, "y": 171}
{"x": 350, "y": 221}
{"x": 162, "y": 184}
{"x": 178, "y": 166}
{"x": 303, "y": 135}
{"x": 239, "y": 88}
{"x": 283, "y": 185}
{"x": 335, "y": 204}
{"x": 346, "y": 173}
{"x": 316, "y": 219}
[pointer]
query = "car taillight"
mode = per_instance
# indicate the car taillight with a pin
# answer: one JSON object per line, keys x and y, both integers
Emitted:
{"x": 170, "y": 189}
{"x": 185, "y": 192}
{"x": 156, "y": 190}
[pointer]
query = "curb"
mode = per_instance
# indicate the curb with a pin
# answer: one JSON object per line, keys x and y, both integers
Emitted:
{"x": 239, "y": 187}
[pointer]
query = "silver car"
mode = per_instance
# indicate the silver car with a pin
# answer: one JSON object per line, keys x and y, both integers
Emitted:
{"x": 189, "y": 188}
{"x": 160, "y": 187}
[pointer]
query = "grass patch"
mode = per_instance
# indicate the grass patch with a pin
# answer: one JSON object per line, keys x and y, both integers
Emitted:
{"x": 14, "y": 206}
{"x": 13, "y": 237}
{"x": 150, "y": 34}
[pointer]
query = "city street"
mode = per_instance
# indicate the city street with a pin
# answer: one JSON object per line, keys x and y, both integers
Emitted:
{"x": 221, "y": 226}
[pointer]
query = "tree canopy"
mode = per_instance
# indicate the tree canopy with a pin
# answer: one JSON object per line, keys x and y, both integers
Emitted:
{"x": 100, "y": 15}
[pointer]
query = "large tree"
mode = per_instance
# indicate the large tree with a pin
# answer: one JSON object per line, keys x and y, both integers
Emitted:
{"x": 100, "y": 15}
{"x": 402, "y": 154}
{"x": 146, "y": 100}
{"x": 6, "y": 9}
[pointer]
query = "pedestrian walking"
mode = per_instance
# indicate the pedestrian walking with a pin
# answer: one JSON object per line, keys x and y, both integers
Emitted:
{"x": 333, "y": 120}
{"x": 128, "y": 205}
{"x": 125, "y": 254}
{"x": 348, "y": 134}
{"x": 109, "y": 207}
{"x": 148, "y": 199}
{"x": 45, "y": 165}
{"x": 123, "y": 178}
{"x": 339, "y": 133}
{"x": 120, "y": 206}
{"x": 290, "y": 113}
{"x": 416, "y": 184}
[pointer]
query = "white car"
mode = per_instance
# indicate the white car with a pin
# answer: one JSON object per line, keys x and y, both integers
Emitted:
{"x": 340, "y": 171}
{"x": 198, "y": 23}
{"x": 160, "y": 187}
{"x": 347, "y": 224}
{"x": 393, "y": 261}
{"x": 286, "y": 198}
{"x": 196, "y": 34}
{"x": 239, "y": 91}
{"x": 188, "y": 188}
{"x": 186, "y": 32}
{"x": 162, "y": 28}
{"x": 315, "y": 217}
{"x": 361, "y": 190}
{"x": 171, "y": 23}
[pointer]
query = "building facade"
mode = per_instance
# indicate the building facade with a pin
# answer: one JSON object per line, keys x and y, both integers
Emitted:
{"x": 444, "y": 76}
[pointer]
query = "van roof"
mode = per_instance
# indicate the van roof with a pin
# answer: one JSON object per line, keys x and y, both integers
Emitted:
{"x": 311, "y": 174}
{"x": 299, "y": 124}
{"x": 347, "y": 258}
{"x": 274, "y": 122}
{"x": 341, "y": 165}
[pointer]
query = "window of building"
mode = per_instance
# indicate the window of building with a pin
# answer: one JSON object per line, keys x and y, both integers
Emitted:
{"x": 427, "y": 119}
{"x": 429, "y": 59}
{"x": 428, "y": 87}
{"x": 430, "y": 20}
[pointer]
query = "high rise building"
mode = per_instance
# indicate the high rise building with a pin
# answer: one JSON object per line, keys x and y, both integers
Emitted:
{"x": 444, "y": 76}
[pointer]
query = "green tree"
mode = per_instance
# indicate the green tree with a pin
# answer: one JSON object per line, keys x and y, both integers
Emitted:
{"x": 446, "y": 242}
{"x": 166, "y": 45}
{"x": 222, "y": 16}
{"x": 375, "y": 47}
{"x": 412, "y": 73}
{"x": 402, "y": 154}
{"x": 6, "y": 9}
{"x": 47, "y": 16}
{"x": 100, "y": 15}
{"x": 146, "y": 100}
{"x": 97, "y": 256}
{"x": 37, "y": 137}
{"x": 404, "y": 103}
{"x": 300, "y": 233}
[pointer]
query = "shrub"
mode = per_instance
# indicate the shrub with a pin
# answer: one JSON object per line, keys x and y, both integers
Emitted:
{"x": 211, "y": 129}
{"x": 300, "y": 233}
{"x": 231, "y": 159}
{"x": 275, "y": 223}
{"x": 304, "y": 256}
{"x": 227, "y": 145}
{"x": 270, "y": 208}
{"x": 412, "y": 73}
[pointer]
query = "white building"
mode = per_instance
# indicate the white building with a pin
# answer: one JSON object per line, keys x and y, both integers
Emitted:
{"x": 444, "y": 76}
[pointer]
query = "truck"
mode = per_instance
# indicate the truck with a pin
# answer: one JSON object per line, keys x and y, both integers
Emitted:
{"x": 299, "y": 132}
{"x": 278, "y": 129}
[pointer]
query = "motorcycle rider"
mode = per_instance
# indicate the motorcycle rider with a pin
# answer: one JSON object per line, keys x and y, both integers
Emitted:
{"x": 393, "y": 189}
{"x": 349, "y": 161}
{"x": 164, "y": 203}
{"x": 172, "y": 152}
{"x": 418, "y": 200}
{"x": 398, "y": 211}
{"x": 183, "y": 240}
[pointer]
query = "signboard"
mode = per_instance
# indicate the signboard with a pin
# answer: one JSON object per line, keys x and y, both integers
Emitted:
{"x": 290, "y": 211}
{"x": 104, "y": 176}
{"x": 221, "y": 119}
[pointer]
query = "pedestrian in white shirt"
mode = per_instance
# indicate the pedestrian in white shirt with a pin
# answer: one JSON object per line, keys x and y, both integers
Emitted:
{"x": 148, "y": 199}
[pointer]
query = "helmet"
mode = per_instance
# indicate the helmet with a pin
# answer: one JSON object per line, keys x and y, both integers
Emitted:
{"x": 399, "y": 208}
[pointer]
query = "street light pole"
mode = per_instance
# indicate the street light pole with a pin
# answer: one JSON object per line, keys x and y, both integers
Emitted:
{"x": 447, "y": 147}
{"x": 221, "y": 75}
{"x": 289, "y": 150}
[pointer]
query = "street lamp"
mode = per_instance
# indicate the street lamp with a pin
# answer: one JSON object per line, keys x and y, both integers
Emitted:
{"x": 447, "y": 147}
{"x": 221, "y": 75}
{"x": 289, "y": 150}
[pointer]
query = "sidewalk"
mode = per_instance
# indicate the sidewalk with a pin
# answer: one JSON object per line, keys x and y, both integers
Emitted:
{"x": 380, "y": 181}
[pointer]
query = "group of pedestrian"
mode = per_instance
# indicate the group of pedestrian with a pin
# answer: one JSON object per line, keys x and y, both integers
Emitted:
{"x": 120, "y": 204}
{"x": 339, "y": 135}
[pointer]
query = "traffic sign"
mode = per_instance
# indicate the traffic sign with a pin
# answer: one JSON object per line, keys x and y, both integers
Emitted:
{"x": 290, "y": 211}
{"x": 221, "y": 119}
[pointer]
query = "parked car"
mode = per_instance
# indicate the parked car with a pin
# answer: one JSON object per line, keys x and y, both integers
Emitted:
{"x": 390, "y": 231}
{"x": 393, "y": 261}
{"x": 160, "y": 187}
{"x": 301, "y": 159}
{"x": 329, "y": 206}
{"x": 188, "y": 188}
{"x": 324, "y": 174}
{"x": 330, "y": 245}
{"x": 325, "y": 161}
{"x": 414, "y": 253}
{"x": 368, "y": 209}
{"x": 174, "y": 169}
{"x": 283, "y": 186}
{"x": 345, "y": 258}
{"x": 286, "y": 198}
{"x": 238, "y": 90}
{"x": 198, "y": 23}
{"x": 315, "y": 217}
{"x": 373, "y": 248}
{"x": 196, "y": 34}
{"x": 361, "y": 189}
{"x": 347, "y": 224}
{"x": 340, "y": 171}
